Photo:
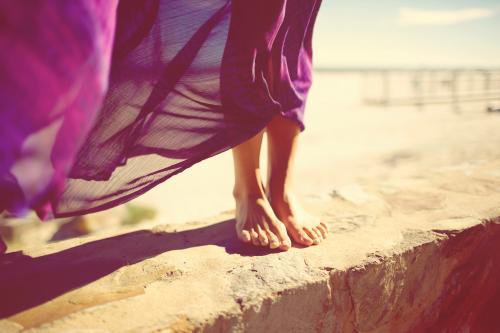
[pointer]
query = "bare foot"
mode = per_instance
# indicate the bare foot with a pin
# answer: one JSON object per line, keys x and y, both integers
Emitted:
{"x": 257, "y": 223}
{"x": 304, "y": 228}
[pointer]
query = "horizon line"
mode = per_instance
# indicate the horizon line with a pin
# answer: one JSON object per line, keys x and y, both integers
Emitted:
{"x": 402, "y": 68}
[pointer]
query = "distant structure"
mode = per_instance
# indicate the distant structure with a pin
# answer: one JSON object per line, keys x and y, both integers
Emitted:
{"x": 422, "y": 87}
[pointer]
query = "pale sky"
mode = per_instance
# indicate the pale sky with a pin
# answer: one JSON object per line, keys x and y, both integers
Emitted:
{"x": 389, "y": 33}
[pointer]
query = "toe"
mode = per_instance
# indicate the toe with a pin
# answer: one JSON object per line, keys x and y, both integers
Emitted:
{"x": 285, "y": 242}
{"x": 323, "y": 231}
{"x": 244, "y": 236}
{"x": 274, "y": 242}
{"x": 318, "y": 234}
{"x": 312, "y": 234}
{"x": 262, "y": 237}
{"x": 302, "y": 237}
{"x": 255, "y": 237}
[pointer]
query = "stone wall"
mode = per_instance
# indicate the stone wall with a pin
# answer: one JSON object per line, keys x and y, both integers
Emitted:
{"x": 418, "y": 254}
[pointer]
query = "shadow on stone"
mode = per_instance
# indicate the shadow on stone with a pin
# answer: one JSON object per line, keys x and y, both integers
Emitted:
{"x": 26, "y": 282}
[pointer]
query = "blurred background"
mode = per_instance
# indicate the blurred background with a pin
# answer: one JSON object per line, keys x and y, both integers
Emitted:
{"x": 400, "y": 88}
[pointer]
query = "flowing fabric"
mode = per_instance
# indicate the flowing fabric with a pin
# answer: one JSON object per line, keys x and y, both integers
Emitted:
{"x": 54, "y": 64}
{"x": 188, "y": 80}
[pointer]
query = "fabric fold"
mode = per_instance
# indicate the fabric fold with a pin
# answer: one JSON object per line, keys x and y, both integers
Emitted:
{"x": 188, "y": 80}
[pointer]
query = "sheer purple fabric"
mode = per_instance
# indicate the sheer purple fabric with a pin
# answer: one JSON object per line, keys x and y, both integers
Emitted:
{"x": 188, "y": 80}
{"x": 54, "y": 64}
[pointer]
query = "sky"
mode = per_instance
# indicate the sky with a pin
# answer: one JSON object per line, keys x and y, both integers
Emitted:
{"x": 425, "y": 33}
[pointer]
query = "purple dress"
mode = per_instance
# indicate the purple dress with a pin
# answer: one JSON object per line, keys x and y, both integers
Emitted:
{"x": 96, "y": 112}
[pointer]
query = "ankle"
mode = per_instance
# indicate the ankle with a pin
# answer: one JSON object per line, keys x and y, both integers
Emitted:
{"x": 245, "y": 192}
{"x": 277, "y": 190}
{"x": 277, "y": 196}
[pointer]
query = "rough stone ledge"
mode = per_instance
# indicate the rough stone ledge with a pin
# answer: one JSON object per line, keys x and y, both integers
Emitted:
{"x": 409, "y": 255}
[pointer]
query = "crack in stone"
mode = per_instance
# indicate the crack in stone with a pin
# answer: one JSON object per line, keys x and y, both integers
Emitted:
{"x": 239, "y": 301}
{"x": 354, "y": 320}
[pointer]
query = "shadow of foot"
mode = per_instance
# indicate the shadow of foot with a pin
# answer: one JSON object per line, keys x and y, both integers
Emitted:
{"x": 26, "y": 282}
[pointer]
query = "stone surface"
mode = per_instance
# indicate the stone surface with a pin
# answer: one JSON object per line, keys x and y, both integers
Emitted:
{"x": 407, "y": 255}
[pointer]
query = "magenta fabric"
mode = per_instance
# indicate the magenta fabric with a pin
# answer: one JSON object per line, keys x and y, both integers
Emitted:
{"x": 188, "y": 80}
{"x": 54, "y": 64}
